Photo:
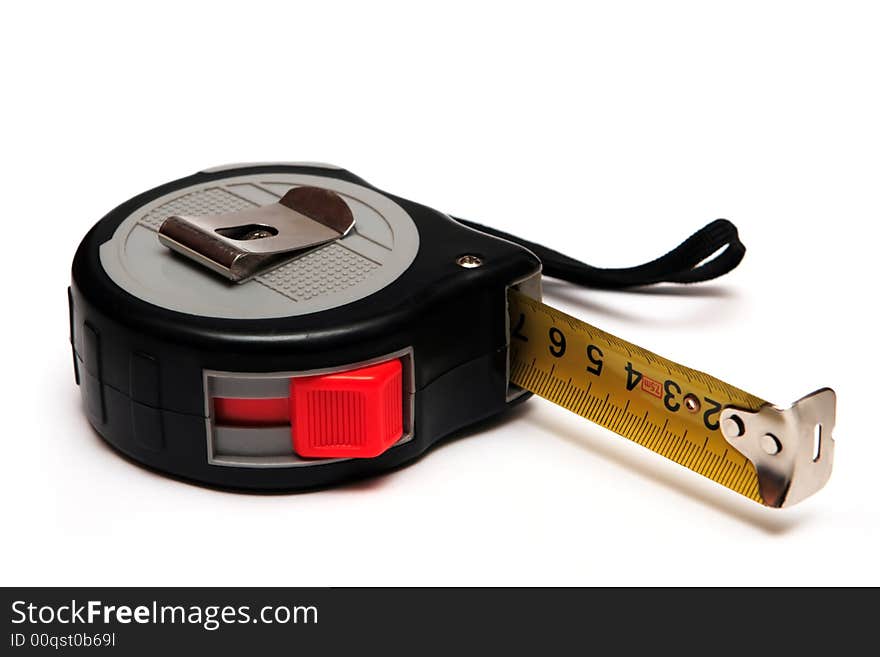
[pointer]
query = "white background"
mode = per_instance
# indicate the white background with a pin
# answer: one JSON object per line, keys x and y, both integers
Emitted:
{"x": 608, "y": 130}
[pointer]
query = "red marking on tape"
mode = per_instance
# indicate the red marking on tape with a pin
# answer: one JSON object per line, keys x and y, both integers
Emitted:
{"x": 652, "y": 387}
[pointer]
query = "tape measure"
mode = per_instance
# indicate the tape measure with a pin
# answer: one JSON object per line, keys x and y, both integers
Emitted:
{"x": 687, "y": 416}
{"x": 289, "y": 326}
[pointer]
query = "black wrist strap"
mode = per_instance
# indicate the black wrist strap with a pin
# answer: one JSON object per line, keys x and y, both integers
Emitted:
{"x": 711, "y": 252}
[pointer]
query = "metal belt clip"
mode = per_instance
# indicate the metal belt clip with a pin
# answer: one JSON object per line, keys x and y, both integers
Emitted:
{"x": 241, "y": 244}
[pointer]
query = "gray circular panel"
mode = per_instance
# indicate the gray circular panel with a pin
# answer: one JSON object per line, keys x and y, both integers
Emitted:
{"x": 382, "y": 245}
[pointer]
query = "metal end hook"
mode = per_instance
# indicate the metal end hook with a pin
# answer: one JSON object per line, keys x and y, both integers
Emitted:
{"x": 792, "y": 449}
{"x": 241, "y": 244}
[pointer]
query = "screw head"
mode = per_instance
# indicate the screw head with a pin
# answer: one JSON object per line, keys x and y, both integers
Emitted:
{"x": 734, "y": 427}
{"x": 469, "y": 261}
{"x": 257, "y": 234}
{"x": 770, "y": 444}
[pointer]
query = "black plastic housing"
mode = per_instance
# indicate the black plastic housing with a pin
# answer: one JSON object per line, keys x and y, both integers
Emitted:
{"x": 140, "y": 367}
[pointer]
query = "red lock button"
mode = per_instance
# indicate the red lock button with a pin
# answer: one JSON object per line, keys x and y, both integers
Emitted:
{"x": 352, "y": 414}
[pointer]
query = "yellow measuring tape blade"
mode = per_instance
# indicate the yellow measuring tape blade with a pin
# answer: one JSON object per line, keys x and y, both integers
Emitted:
{"x": 669, "y": 408}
